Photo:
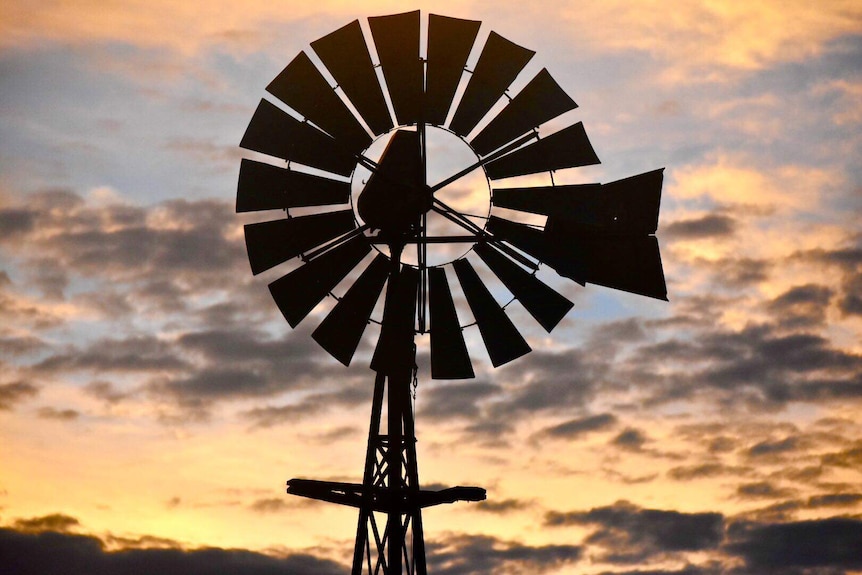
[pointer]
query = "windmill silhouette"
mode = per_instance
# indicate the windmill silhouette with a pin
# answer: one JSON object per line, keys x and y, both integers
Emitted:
{"x": 593, "y": 233}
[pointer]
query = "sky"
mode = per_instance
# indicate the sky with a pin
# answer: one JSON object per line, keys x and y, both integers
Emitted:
{"x": 153, "y": 401}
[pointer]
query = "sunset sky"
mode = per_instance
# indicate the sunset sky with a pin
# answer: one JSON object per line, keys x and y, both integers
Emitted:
{"x": 153, "y": 400}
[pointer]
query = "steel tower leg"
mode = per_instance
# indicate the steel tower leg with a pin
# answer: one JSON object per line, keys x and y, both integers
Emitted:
{"x": 390, "y": 482}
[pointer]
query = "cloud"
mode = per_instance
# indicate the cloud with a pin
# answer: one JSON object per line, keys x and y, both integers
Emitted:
{"x": 729, "y": 180}
{"x": 801, "y": 306}
{"x": 630, "y": 534}
{"x": 271, "y": 505}
{"x": 502, "y": 507}
{"x": 139, "y": 354}
{"x": 119, "y": 241}
{"x": 763, "y": 490}
{"x": 710, "y": 225}
{"x": 16, "y": 392}
{"x": 548, "y": 381}
{"x": 458, "y": 400}
{"x": 705, "y": 38}
{"x": 630, "y": 439}
{"x": 756, "y": 365}
{"x": 704, "y": 470}
{"x": 52, "y": 552}
{"x": 834, "y": 500}
{"x": 848, "y": 261}
{"x": 773, "y": 548}
{"x": 58, "y": 414}
{"x": 350, "y": 394}
{"x": 850, "y": 457}
{"x": 578, "y": 427}
{"x": 770, "y": 449}
{"x": 480, "y": 554}
{"x": 105, "y": 391}
{"x": 54, "y": 522}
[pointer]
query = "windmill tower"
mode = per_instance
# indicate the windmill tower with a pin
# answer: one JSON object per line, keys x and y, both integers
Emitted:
{"x": 381, "y": 217}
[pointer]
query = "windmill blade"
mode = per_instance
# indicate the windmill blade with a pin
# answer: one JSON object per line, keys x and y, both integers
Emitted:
{"x": 340, "y": 332}
{"x": 449, "y": 43}
{"x": 625, "y": 207}
{"x": 302, "y": 87}
{"x": 499, "y": 64}
{"x": 394, "y": 351}
{"x": 540, "y": 100}
{"x": 543, "y": 302}
{"x": 449, "y": 357}
{"x": 267, "y": 187}
{"x": 529, "y": 240}
{"x": 567, "y": 148}
{"x": 271, "y": 243}
{"x": 345, "y": 55}
{"x": 397, "y": 40}
{"x": 631, "y": 205}
{"x": 276, "y": 133}
{"x": 573, "y": 202}
{"x": 500, "y": 335}
{"x": 298, "y": 292}
{"x": 627, "y": 263}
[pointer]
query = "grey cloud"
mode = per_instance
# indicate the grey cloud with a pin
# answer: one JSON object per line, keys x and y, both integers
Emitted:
{"x": 850, "y": 457}
{"x": 217, "y": 383}
{"x": 456, "y": 400}
{"x": 348, "y": 395}
{"x": 708, "y": 226}
{"x": 545, "y": 381}
{"x": 106, "y": 391}
{"x": 630, "y": 534}
{"x": 740, "y": 272}
{"x": 480, "y": 555}
{"x": 15, "y": 222}
{"x": 271, "y": 416}
{"x": 49, "y": 276}
{"x": 187, "y": 245}
{"x": 778, "y": 367}
{"x": 627, "y": 330}
{"x": 722, "y": 445}
{"x": 16, "y": 392}
{"x": 848, "y": 257}
{"x": 849, "y": 261}
{"x": 713, "y": 469}
{"x": 131, "y": 354}
{"x": 581, "y": 426}
{"x": 763, "y": 490}
{"x": 770, "y": 448}
{"x": 834, "y": 500}
{"x": 851, "y": 303}
{"x": 53, "y": 522}
{"x": 775, "y": 548}
{"x": 502, "y": 507}
{"x": 630, "y": 439}
{"x": 801, "y": 306}
{"x": 58, "y": 414}
{"x": 713, "y": 569}
{"x": 270, "y": 505}
{"x": 40, "y": 553}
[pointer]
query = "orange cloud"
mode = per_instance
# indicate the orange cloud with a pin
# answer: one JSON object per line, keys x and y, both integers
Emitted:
{"x": 713, "y": 34}
{"x": 729, "y": 180}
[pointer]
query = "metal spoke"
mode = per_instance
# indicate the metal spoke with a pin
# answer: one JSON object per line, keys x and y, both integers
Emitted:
{"x": 489, "y": 158}
{"x": 453, "y": 216}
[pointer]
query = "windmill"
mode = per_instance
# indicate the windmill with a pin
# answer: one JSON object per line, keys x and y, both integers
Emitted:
{"x": 356, "y": 211}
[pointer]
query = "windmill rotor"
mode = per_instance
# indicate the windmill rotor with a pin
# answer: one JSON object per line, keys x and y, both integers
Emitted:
{"x": 362, "y": 202}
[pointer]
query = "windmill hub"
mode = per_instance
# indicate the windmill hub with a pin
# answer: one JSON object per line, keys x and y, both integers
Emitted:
{"x": 396, "y": 195}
